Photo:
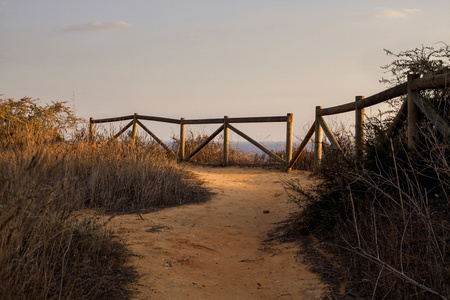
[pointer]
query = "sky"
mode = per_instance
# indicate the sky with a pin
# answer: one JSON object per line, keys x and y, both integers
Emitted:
{"x": 208, "y": 58}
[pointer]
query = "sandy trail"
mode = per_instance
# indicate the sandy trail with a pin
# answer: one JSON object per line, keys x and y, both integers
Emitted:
{"x": 217, "y": 249}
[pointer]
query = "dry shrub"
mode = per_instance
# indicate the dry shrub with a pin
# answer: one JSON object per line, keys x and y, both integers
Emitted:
{"x": 387, "y": 223}
{"x": 305, "y": 161}
{"x": 25, "y": 122}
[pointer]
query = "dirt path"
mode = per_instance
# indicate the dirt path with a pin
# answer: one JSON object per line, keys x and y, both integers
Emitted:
{"x": 217, "y": 250}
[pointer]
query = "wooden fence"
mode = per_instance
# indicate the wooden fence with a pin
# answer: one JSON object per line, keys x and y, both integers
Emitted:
{"x": 413, "y": 105}
{"x": 225, "y": 127}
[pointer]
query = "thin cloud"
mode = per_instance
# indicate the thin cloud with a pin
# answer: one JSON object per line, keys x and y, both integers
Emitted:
{"x": 396, "y": 14}
{"x": 98, "y": 27}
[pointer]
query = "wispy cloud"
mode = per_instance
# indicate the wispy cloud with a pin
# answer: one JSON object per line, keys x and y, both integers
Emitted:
{"x": 98, "y": 27}
{"x": 396, "y": 13}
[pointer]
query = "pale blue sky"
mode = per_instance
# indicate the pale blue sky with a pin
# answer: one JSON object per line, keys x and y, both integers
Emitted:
{"x": 200, "y": 59}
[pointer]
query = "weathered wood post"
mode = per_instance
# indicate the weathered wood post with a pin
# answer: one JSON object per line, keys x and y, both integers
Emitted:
{"x": 289, "y": 125}
{"x": 182, "y": 140}
{"x": 359, "y": 129}
{"x": 226, "y": 142}
{"x": 413, "y": 114}
{"x": 133, "y": 132}
{"x": 91, "y": 130}
{"x": 318, "y": 140}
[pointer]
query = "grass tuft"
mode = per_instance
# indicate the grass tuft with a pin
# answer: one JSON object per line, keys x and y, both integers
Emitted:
{"x": 48, "y": 249}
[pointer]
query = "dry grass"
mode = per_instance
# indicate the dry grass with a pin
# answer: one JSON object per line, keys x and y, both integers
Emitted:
{"x": 48, "y": 250}
{"x": 387, "y": 223}
{"x": 212, "y": 154}
{"x": 45, "y": 250}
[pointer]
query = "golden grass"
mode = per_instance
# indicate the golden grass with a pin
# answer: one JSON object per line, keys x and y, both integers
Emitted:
{"x": 47, "y": 250}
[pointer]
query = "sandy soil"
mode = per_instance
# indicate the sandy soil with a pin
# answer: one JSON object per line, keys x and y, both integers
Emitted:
{"x": 218, "y": 249}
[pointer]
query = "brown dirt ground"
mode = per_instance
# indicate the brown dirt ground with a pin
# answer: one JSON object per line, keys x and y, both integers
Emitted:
{"x": 219, "y": 249}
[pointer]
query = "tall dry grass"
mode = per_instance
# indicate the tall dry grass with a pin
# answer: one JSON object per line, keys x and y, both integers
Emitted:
{"x": 47, "y": 251}
{"x": 47, "y": 248}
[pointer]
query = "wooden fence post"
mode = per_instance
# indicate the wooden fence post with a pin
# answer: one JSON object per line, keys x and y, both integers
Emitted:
{"x": 182, "y": 140}
{"x": 91, "y": 130}
{"x": 133, "y": 133}
{"x": 318, "y": 140}
{"x": 359, "y": 129}
{"x": 289, "y": 125}
{"x": 413, "y": 114}
{"x": 226, "y": 142}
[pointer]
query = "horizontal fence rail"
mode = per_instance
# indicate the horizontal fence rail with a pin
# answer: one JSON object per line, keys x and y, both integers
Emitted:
{"x": 195, "y": 121}
{"x": 226, "y": 125}
{"x": 412, "y": 106}
{"x": 410, "y": 109}
{"x": 438, "y": 81}
{"x": 235, "y": 120}
{"x": 117, "y": 119}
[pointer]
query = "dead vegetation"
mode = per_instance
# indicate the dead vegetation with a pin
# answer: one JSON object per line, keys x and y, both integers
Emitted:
{"x": 385, "y": 220}
{"x": 47, "y": 175}
{"x": 388, "y": 230}
{"x": 212, "y": 154}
